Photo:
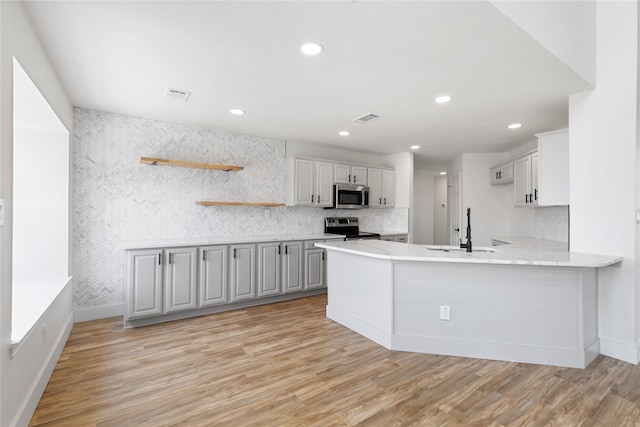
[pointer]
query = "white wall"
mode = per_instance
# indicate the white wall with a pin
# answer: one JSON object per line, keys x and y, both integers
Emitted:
{"x": 566, "y": 28}
{"x": 303, "y": 149}
{"x": 603, "y": 175}
{"x": 23, "y": 378}
{"x": 423, "y": 201}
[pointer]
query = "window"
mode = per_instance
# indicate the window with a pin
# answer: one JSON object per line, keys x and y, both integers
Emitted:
{"x": 40, "y": 264}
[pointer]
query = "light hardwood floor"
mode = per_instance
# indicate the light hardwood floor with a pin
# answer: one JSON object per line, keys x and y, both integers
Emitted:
{"x": 286, "y": 364}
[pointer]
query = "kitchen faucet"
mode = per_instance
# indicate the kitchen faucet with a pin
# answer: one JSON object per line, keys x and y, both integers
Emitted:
{"x": 468, "y": 244}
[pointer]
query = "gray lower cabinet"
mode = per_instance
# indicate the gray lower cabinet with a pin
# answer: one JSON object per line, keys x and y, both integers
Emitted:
{"x": 292, "y": 265}
{"x": 180, "y": 280}
{"x": 242, "y": 271}
{"x": 269, "y": 277}
{"x": 143, "y": 283}
{"x": 315, "y": 269}
{"x": 213, "y": 276}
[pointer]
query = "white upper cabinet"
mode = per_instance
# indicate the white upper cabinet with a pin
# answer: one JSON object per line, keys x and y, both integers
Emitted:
{"x": 382, "y": 187}
{"x": 542, "y": 177}
{"x": 309, "y": 182}
{"x": 502, "y": 174}
{"x": 348, "y": 174}
{"x": 553, "y": 168}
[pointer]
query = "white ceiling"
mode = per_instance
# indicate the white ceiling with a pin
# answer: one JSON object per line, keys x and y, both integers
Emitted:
{"x": 387, "y": 58}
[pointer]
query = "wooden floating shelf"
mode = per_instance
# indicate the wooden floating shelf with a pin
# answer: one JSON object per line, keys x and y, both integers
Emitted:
{"x": 165, "y": 162}
{"x": 268, "y": 205}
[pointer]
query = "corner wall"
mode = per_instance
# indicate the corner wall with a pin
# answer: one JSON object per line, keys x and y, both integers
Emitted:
{"x": 23, "y": 377}
{"x": 603, "y": 175}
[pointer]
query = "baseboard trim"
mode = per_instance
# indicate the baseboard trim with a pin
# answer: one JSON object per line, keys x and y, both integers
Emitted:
{"x": 626, "y": 352}
{"x": 31, "y": 403}
{"x": 95, "y": 313}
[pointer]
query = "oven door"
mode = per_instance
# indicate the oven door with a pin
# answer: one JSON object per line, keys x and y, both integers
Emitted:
{"x": 350, "y": 196}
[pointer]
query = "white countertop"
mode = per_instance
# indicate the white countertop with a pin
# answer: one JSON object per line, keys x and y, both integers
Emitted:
{"x": 205, "y": 241}
{"x": 519, "y": 251}
{"x": 386, "y": 232}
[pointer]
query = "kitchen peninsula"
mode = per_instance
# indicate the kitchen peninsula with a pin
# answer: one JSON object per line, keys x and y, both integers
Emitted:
{"x": 526, "y": 300}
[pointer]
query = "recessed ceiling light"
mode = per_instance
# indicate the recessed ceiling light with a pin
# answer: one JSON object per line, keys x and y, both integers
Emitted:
{"x": 442, "y": 99}
{"x": 443, "y": 173}
{"x": 311, "y": 48}
{"x": 414, "y": 147}
{"x": 343, "y": 133}
{"x": 236, "y": 111}
{"x": 514, "y": 126}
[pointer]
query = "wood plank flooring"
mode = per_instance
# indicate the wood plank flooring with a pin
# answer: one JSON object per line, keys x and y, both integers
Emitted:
{"x": 286, "y": 364}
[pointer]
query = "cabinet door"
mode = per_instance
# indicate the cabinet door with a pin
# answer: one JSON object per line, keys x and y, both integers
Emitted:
{"x": 180, "y": 281}
{"x": 506, "y": 172}
{"x": 324, "y": 184}
{"x": 243, "y": 272}
{"x": 213, "y": 277}
{"x": 268, "y": 269}
{"x": 374, "y": 177}
{"x": 522, "y": 180}
{"x": 292, "y": 264}
{"x": 304, "y": 185}
{"x": 314, "y": 268}
{"x": 359, "y": 175}
{"x": 342, "y": 174}
{"x": 143, "y": 283}
{"x": 494, "y": 175}
{"x": 533, "y": 196}
{"x": 388, "y": 188}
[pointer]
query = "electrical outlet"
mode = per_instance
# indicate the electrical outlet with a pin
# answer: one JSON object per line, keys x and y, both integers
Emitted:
{"x": 44, "y": 332}
{"x": 445, "y": 312}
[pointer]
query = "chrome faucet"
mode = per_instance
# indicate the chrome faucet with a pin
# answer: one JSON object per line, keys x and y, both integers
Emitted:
{"x": 468, "y": 244}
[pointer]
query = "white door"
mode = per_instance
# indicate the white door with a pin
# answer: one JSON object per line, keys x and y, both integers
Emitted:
{"x": 180, "y": 283}
{"x": 342, "y": 174}
{"x": 454, "y": 209}
{"x": 212, "y": 285}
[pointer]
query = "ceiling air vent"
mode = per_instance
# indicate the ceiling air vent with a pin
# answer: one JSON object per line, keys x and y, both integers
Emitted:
{"x": 366, "y": 118}
{"x": 177, "y": 94}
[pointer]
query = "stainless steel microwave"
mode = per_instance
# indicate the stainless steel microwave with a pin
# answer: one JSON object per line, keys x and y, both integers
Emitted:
{"x": 349, "y": 196}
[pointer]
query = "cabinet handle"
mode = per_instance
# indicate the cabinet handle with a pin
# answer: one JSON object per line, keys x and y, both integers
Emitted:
{"x": 234, "y": 253}
{"x": 355, "y": 178}
{"x": 286, "y": 250}
{"x": 160, "y": 258}
{"x": 203, "y": 255}
{"x": 323, "y": 255}
{"x": 312, "y": 199}
{"x": 279, "y": 250}
{"x": 318, "y": 198}
{"x": 535, "y": 191}
{"x": 349, "y": 177}
{"x": 385, "y": 200}
{"x": 500, "y": 175}
{"x": 530, "y": 198}
{"x": 380, "y": 201}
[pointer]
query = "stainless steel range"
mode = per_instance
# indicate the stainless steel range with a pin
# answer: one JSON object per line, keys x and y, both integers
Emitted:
{"x": 349, "y": 226}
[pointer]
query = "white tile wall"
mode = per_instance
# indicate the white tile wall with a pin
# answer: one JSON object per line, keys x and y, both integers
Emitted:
{"x": 116, "y": 198}
{"x": 552, "y": 223}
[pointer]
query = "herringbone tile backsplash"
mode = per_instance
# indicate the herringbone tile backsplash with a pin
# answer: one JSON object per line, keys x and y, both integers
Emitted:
{"x": 116, "y": 198}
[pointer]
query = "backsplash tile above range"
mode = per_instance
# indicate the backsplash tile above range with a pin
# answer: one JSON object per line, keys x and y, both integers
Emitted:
{"x": 115, "y": 198}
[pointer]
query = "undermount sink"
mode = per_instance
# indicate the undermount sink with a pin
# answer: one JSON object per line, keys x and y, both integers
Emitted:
{"x": 446, "y": 248}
